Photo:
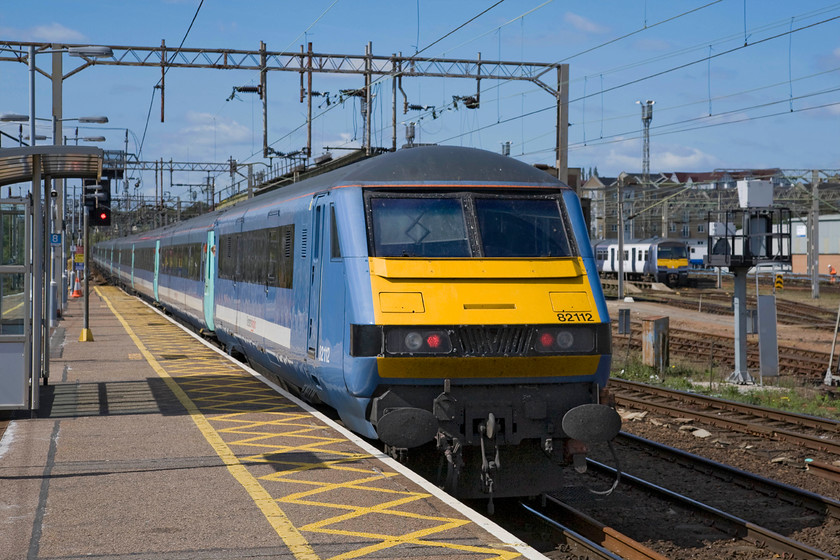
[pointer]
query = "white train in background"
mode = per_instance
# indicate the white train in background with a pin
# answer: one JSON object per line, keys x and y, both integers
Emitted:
{"x": 657, "y": 260}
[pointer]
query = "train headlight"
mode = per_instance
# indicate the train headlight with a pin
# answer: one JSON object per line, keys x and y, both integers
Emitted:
{"x": 417, "y": 341}
{"x": 413, "y": 341}
{"x": 565, "y": 339}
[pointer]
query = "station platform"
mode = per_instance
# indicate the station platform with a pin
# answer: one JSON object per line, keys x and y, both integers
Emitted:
{"x": 149, "y": 443}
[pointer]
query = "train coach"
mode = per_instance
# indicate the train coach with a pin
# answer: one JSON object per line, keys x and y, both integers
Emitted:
{"x": 658, "y": 260}
{"x": 436, "y": 297}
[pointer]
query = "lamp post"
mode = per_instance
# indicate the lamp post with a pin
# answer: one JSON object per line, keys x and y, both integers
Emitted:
{"x": 39, "y": 264}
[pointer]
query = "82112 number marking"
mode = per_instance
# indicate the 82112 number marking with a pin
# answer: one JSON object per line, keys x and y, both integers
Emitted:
{"x": 574, "y": 317}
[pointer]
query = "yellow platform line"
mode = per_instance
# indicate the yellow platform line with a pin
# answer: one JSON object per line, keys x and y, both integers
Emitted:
{"x": 221, "y": 394}
{"x": 279, "y": 521}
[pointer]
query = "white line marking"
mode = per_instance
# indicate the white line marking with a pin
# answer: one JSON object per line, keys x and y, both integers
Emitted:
{"x": 8, "y": 438}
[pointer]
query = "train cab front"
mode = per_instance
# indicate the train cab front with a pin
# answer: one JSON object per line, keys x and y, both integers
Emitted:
{"x": 492, "y": 340}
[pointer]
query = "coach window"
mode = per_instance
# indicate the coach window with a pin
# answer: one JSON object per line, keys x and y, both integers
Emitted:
{"x": 273, "y": 265}
{"x": 335, "y": 248}
{"x": 279, "y": 269}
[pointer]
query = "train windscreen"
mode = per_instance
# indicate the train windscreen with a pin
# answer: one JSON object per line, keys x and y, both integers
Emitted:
{"x": 673, "y": 252}
{"x": 521, "y": 227}
{"x": 419, "y": 227}
{"x": 464, "y": 225}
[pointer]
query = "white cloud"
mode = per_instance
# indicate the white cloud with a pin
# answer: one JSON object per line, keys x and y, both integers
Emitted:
{"x": 683, "y": 159}
{"x": 627, "y": 157}
{"x": 55, "y": 33}
{"x": 582, "y": 24}
{"x": 206, "y": 129}
{"x": 830, "y": 111}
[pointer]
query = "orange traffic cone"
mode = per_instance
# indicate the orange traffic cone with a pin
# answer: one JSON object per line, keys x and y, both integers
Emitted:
{"x": 77, "y": 289}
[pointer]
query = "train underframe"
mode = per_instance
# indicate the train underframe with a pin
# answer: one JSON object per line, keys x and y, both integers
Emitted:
{"x": 496, "y": 440}
{"x": 671, "y": 278}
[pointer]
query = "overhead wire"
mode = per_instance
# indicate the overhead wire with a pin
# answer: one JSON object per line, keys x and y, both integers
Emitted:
{"x": 625, "y": 137}
{"x": 763, "y": 87}
{"x": 495, "y": 86}
{"x": 660, "y": 73}
{"x": 165, "y": 70}
{"x": 613, "y": 88}
{"x": 498, "y": 84}
{"x": 329, "y": 108}
{"x": 671, "y": 54}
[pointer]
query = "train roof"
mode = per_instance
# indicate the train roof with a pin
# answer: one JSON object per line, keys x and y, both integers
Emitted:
{"x": 435, "y": 164}
{"x": 429, "y": 165}
{"x": 646, "y": 241}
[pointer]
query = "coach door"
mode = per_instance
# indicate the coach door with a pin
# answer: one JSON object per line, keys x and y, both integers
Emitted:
{"x": 315, "y": 271}
{"x": 209, "y": 286}
{"x": 157, "y": 269}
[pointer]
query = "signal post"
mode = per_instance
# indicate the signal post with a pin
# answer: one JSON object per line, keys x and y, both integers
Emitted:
{"x": 97, "y": 206}
{"x": 745, "y": 238}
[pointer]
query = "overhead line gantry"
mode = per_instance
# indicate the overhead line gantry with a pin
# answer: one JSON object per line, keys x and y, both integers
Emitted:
{"x": 307, "y": 62}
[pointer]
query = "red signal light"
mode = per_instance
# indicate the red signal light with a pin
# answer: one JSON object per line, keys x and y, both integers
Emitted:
{"x": 103, "y": 216}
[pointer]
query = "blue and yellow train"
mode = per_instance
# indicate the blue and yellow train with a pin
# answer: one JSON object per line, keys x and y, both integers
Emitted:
{"x": 434, "y": 296}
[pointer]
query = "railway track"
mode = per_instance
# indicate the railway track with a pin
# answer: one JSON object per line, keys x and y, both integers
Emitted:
{"x": 720, "y": 303}
{"x": 811, "y": 432}
{"x": 699, "y": 521}
{"x": 696, "y": 474}
{"x": 716, "y": 348}
{"x": 673, "y": 504}
{"x": 584, "y": 537}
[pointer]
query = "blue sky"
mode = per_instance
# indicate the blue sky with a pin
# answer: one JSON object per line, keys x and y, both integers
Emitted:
{"x": 719, "y": 104}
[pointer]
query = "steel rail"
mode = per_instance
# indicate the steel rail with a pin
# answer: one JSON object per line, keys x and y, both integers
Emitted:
{"x": 793, "y": 361}
{"x": 792, "y": 494}
{"x": 744, "y": 426}
{"x": 573, "y": 538}
{"x": 815, "y": 422}
{"x": 741, "y": 528}
{"x": 824, "y": 470}
{"x": 594, "y": 531}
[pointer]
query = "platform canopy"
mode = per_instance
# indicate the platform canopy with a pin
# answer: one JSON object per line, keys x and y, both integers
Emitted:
{"x": 57, "y": 162}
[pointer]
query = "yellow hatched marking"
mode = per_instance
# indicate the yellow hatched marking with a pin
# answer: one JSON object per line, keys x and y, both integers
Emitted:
{"x": 237, "y": 401}
{"x": 276, "y": 517}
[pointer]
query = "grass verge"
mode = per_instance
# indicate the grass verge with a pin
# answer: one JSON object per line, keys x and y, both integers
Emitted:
{"x": 784, "y": 394}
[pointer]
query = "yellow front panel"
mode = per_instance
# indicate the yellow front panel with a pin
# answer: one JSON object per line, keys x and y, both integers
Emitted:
{"x": 401, "y": 302}
{"x": 489, "y": 367}
{"x": 570, "y": 301}
{"x": 673, "y": 263}
{"x": 481, "y": 292}
{"x": 475, "y": 268}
